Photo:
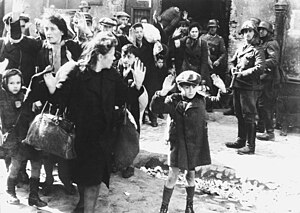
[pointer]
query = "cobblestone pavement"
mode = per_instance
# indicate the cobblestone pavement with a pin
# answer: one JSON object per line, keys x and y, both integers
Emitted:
{"x": 267, "y": 182}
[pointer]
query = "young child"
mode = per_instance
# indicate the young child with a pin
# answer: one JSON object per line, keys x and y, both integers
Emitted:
{"x": 14, "y": 128}
{"x": 189, "y": 146}
{"x": 136, "y": 106}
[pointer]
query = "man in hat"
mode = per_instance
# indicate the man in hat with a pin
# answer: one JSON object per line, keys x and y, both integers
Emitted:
{"x": 84, "y": 6}
{"x": 107, "y": 24}
{"x": 270, "y": 81}
{"x": 123, "y": 22}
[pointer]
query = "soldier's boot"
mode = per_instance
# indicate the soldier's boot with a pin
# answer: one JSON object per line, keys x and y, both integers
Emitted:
{"x": 241, "y": 139}
{"x": 250, "y": 145}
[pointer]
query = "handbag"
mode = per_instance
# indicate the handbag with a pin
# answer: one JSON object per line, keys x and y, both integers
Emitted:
{"x": 127, "y": 142}
{"x": 53, "y": 134}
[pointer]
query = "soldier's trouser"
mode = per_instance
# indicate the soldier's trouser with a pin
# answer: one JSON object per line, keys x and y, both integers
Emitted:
{"x": 266, "y": 106}
{"x": 244, "y": 102}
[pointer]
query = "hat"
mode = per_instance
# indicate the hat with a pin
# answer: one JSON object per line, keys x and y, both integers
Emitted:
{"x": 213, "y": 23}
{"x": 107, "y": 22}
{"x": 23, "y": 16}
{"x": 84, "y": 4}
{"x": 183, "y": 23}
{"x": 248, "y": 25}
{"x": 266, "y": 25}
{"x": 188, "y": 77}
{"x": 121, "y": 13}
{"x": 255, "y": 20}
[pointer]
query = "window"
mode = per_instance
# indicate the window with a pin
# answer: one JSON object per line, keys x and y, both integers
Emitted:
{"x": 138, "y": 13}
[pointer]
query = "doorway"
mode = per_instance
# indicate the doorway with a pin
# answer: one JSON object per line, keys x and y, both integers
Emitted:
{"x": 203, "y": 10}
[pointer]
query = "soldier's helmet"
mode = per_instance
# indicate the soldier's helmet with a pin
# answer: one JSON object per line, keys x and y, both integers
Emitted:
{"x": 266, "y": 25}
{"x": 248, "y": 25}
{"x": 84, "y": 4}
{"x": 213, "y": 23}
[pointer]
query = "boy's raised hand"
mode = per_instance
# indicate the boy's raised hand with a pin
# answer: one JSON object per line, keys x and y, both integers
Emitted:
{"x": 168, "y": 85}
{"x": 18, "y": 7}
{"x": 138, "y": 72}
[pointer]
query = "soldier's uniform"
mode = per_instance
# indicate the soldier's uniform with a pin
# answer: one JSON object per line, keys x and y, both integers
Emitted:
{"x": 270, "y": 80}
{"x": 217, "y": 49}
{"x": 249, "y": 60}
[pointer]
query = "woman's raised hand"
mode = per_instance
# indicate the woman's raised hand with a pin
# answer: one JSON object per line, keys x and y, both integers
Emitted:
{"x": 80, "y": 23}
{"x": 168, "y": 85}
{"x": 138, "y": 72}
{"x": 18, "y": 7}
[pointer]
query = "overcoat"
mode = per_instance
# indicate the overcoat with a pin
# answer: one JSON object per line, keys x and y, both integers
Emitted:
{"x": 92, "y": 97}
{"x": 188, "y": 129}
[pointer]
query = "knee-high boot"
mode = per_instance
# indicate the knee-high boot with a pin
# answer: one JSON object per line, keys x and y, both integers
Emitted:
{"x": 241, "y": 139}
{"x": 34, "y": 198}
{"x": 189, "y": 199}
{"x": 167, "y": 194}
{"x": 11, "y": 191}
{"x": 250, "y": 145}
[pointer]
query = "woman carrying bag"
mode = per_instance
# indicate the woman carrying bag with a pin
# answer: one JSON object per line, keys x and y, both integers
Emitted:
{"x": 91, "y": 89}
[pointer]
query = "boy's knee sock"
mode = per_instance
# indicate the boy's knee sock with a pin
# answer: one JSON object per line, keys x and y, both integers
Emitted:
{"x": 167, "y": 194}
{"x": 190, "y": 190}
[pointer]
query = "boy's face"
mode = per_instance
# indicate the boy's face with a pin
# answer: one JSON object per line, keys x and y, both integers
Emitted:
{"x": 188, "y": 91}
{"x": 160, "y": 63}
{"x": 139, "y": 33}
{"x": 14, "y": 84}
{"x": 127, "y": 59}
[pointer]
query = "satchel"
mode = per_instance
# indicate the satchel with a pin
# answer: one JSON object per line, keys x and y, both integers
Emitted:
{"x": 127, "y": 142}
{"x": 53, "y": 134}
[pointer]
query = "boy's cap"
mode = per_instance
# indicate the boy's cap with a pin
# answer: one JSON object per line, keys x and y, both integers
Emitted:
{"x": 122, "y": 14}
{"x": 107, "y": 22}
{"x": 189, "y": 77}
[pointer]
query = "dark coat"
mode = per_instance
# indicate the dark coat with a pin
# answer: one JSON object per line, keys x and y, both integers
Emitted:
{"x": 250, "y": 60}
{"x": 272, "y": 51}
{"x": 91, "y": 98}
{"x": 19, "y": 59}
{"x": 10, "y": 109}
{"x": 188, "y": 130}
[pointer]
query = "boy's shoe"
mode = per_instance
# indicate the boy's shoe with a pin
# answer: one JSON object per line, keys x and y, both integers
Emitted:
{"x": 163, "y": 209}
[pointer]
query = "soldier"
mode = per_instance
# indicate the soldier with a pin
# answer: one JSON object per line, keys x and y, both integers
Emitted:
{"x": 217, "y": 54}
{"x": 216, "y": 47}
{"x": 270, "y": 78}
{"x": 248, "y": 64}
{"x": 84, "y": 6}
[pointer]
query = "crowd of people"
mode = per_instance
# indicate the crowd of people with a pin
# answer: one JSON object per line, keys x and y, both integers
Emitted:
{"x": 92, "y": 67}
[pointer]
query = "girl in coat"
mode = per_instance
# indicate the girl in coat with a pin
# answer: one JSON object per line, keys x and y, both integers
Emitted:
{"x": 14, "y": 129}
{"x": 187, "y": 134}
